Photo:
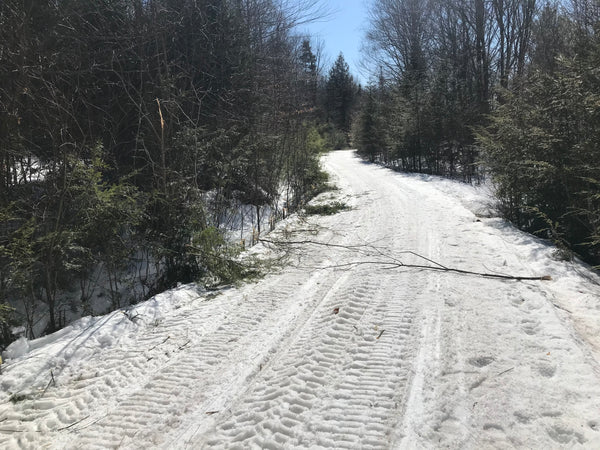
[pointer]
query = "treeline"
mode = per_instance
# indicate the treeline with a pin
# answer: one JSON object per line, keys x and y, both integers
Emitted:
{"x": 127, "y": 127}
{"x": 505, "y": 87}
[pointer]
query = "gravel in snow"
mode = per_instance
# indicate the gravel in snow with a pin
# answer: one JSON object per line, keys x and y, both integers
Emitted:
{"x": 336, "y": 350}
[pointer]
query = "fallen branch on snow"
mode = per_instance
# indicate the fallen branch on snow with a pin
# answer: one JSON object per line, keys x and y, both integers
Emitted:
{"x": 325, "y": 244}
{"x": 393, "y": 262}
{"x": 394, "y": 265}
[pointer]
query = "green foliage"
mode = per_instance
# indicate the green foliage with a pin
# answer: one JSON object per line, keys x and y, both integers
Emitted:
{"x": 7, "y": 320}
{"x": 309, "y": 75}
{"x": 370, "y": 134}
{"x": 325, "y": 209}
{"x": 337, "y": 139}
{"x": 304, "y": 175}
{"x": 314, "y": 178}
{"x": 19, "y": 253}
{"x": 128, "y": 129}
{"x": 542, "y": 147}
{"x": 170, "y": 222}
{"x": 318, "y": 181}
{"x": 341, "y": 92}
{"x": 315, "y": 143}
{"x": 78, "y": 223}
{"x": 106, "y": 220}
{"x": 506, "y": 85}
{"x": 219, "y": 259}
{"x": 6, "y": 312}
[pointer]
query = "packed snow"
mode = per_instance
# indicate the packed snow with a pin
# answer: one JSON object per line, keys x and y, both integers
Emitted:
{"x": 341, "y": 347}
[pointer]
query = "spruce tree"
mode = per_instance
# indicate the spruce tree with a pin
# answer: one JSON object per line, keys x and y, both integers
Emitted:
{"x": 341, "y": 93}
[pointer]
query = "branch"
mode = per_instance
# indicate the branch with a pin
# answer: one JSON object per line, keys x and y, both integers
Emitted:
{"x": 439, "y": 268}
{"x": 481, "y": 274}
{"x": 325, "y": 244}
{"x": 73, "y": 424}
{"x": 394, "y": 262}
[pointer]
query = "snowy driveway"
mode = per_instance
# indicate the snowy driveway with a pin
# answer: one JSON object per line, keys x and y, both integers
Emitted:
{"x": 341, "y": 348}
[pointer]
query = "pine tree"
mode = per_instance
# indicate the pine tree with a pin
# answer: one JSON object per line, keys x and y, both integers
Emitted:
{"x": 309, "y": 74}
{"x": 341, "y": 93}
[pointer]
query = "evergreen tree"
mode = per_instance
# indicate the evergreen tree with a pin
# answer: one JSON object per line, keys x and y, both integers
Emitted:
{"x": 543, "y": 150}
{"x": 129, "y": 128}
{"x": 524, "y": 77}
{"x": 341, "y": 91}
{"x": 370, "y": 133}
{"x": 309, "y": 74}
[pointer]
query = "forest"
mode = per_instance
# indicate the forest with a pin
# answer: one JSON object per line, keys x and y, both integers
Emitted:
{"x": 506, "y": 91}
{"x": 130, "y": 128}
{"x": 131, "y": 131}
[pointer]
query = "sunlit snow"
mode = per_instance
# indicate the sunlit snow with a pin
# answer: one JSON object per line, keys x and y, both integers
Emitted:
{"x": 338, "y": 349}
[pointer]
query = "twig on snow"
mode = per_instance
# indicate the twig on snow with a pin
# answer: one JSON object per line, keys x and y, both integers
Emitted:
{"x": 87, "y": 425}
{"x": 305, "y": 242}
{"x": 52, "y": 381}
{"x": 560, "y": 307}
{"x": 166, "y": 339}
{"x": 505, "y": 371}
{"x": 73, "y": 424}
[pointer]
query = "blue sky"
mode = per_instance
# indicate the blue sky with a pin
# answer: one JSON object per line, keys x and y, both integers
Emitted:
{"x": 343, "y": 31}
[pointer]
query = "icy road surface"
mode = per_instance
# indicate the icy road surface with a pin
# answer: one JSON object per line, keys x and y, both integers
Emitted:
{"x": 340, "y": 349}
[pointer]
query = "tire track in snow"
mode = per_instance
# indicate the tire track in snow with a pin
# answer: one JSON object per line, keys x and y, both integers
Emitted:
{"x": 361, "y": 358}
{"x": 221, "y": 353}
{"x": 219, "y": 362}
{"x": 84, "y": 393}
{"x": 342, "y": 381}
{"x": 217, "y": 350}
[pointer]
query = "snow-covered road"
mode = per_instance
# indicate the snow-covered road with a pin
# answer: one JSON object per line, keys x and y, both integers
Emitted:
{"x": 336, "y": 350}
